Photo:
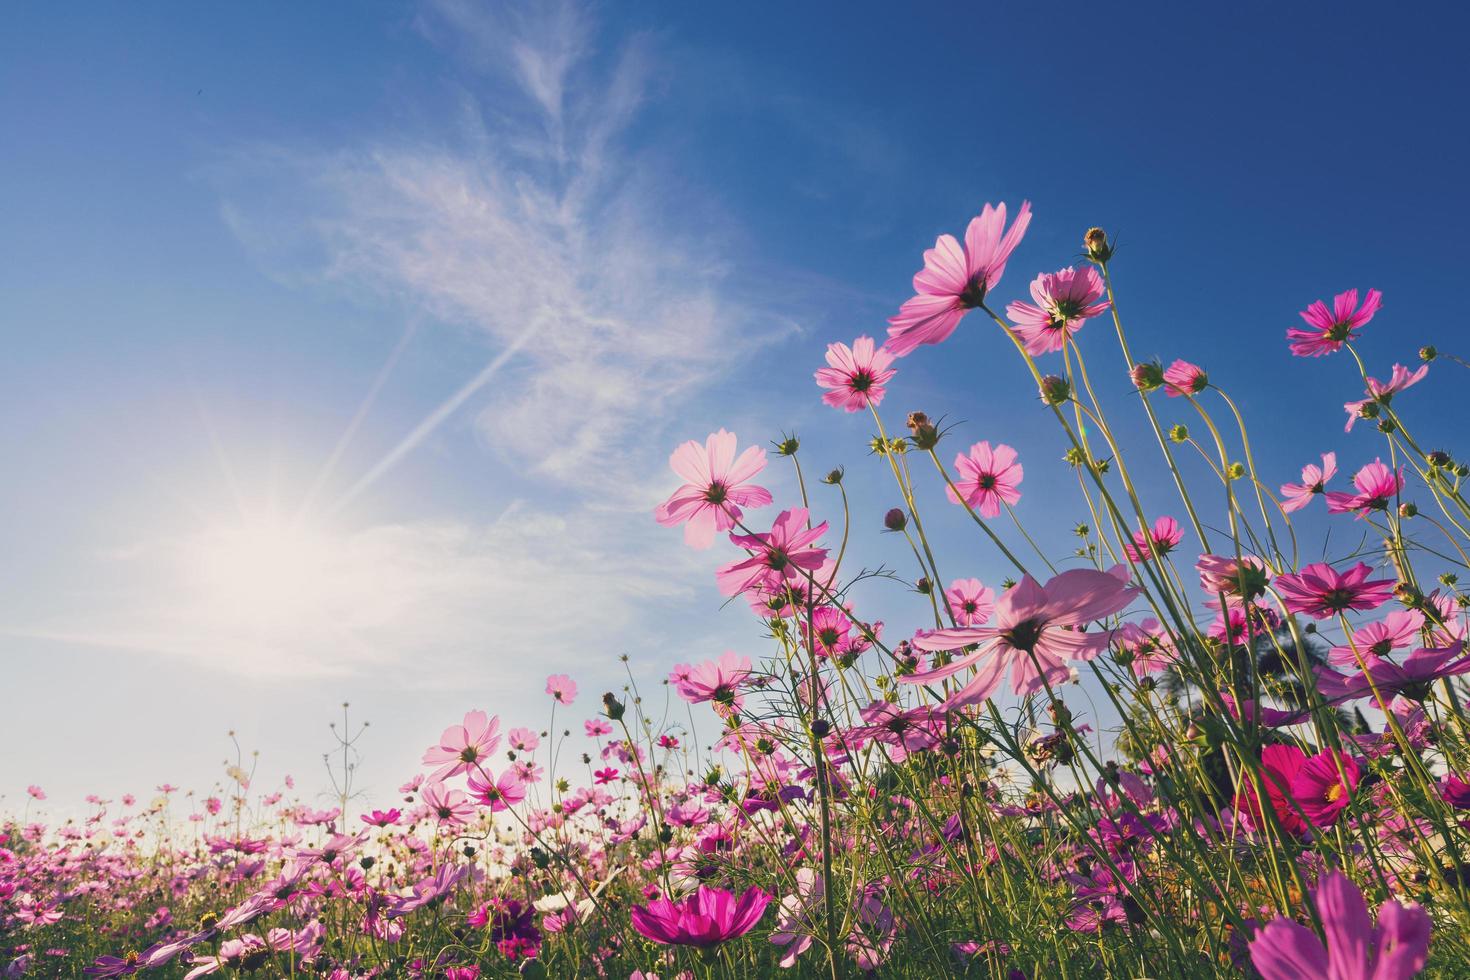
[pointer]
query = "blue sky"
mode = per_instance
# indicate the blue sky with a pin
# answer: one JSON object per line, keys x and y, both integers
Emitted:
{"x": 428, "y": 291}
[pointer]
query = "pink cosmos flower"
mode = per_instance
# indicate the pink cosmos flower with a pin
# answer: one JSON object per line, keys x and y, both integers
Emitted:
{"x": 596, "y": 727}
{"x": 1411, "y": 679}
{"x": 1377, "y": 485}
{"x": 1329, "y": 330}
{"x": 1314, "y": 482}
{"x": 784, "y": 552}
{"x": 987, "y": 477}
{"x": 1323, "y": 786}
{"x": 1395, "y": 949}
{"x": 970, "y": 602}
{"x": 381, "y": 818}
{"x": 1395, "y": 631}
{"x": 713, "y": 494}
{"x": 562, "y": 688}
{"x": 714, "y": 680}
{"x": 1148, "y": 646}
{"x": 1063, "y": 300}
{"x": 1321, "y": 591}
{"x": 502, "y": 793}
{"x": 857, "y": 374}
{"x": 1165, "y": 535}
{"x": 461, "y": 747}
{"x": 1382, "y": 392}
{"x": 604, "y": 776}
{"x": 1279, "y": 767}
{"x": 1034, "y": 636}
{"x": 1245, "y": 578}
{"x": 35, "y": 792}
{"x": 449, "y": 805}
{"x": 707, "y": 918}
{"x": 1184, "y": 378}
{"x": 954, "y": 280}
{"x": 523, "y": 739}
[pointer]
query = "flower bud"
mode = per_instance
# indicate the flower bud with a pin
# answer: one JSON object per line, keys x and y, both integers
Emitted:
{"x": 834, "y": 477}
{"x": 1055, "y": 390}
{"x": 925, "y": 434}
{"x": 896, "y": 519}
{"x": 1439, "y": 458}
{"x": 788, "y": 445}
{"x": 612, "y": 707}
{"x": 821, "y": 728}
{"x": 1408, "y": 510}
{"x": 1427, "y": 353}
{"x": 1095, "y": 244}
{"x": 1236, "y": 471}
{"x": 924, "y": 586}
{"x": 1178, "y": 434}
{"x": 1147, "y": 375}
{"x": 1082, "y": 530}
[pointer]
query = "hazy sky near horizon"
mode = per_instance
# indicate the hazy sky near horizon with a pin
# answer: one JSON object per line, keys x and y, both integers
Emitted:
{"x": 345, "y": 344}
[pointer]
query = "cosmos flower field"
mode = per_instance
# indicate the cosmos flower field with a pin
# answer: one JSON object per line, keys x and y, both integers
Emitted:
{"x": 1271, "y": 780}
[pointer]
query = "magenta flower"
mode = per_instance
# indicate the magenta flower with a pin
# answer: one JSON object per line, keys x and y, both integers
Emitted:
{"x": 1382, "y": 392}
{"x": 1322, "y": 592}
{"x": 1034, "y": 637}
{"x": 1329, "y": 330}
{"x": 381, "y": 818}
{"x": 857, "y": 374}
{"x": 1164, "y": 536}
{"x": 707, "y": 918}
{"x": 1063, "y": 300}
{"x": 1279, "y": 767}
{"x": 1323, "y": 786}
{"x": 954, "y": 280}
{"x": 1412, "y": 678}
{"x": 462, "y": 747}
{"x": 1184, "y": 378}
{"x": 1314, "y": 482}
{"x": 969, "y": 601}
{"x": 1377, "y": 486}
{"x": 987, "y": 477}
{"x": 712, "y": 495}
{"x": 785, "y": 552}
{"x": 562, "y": 688}
{"x": 1395, "y": 949}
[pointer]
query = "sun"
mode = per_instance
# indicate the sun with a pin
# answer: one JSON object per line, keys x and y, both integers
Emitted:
{"x": 263, "y": 572}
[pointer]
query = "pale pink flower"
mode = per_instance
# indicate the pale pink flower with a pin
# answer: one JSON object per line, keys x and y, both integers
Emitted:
{"x": 1184, "y": 378}
{"x": 462, "y": 747}
{"x": 1382, "y": 392}
{"x": 498, "y": 794}
{"x": 1035, "y": 634}
{"x": 450, "y": 806}
{"x": 969, "y": 601}
{"x": 954, "y": 280}
{"x": 987, "y": 478}
{"x": 712, "y": 495}
{"x": 1165, "y": 536}
{"x": 1314, "y": 482}
{"x": 1377, "y": 485}
{"x": 1327, "y": 329}
{"x": 35, "y": 792}
{"x": 857, "y": 374}
{"x": 714, "y": 680}
{"x": 523, "y": 739}
{"x": 1063, "y": 300}
{"x": 1396, "y": 631}
{"x": 562, "y": 688}
{"x": 1147, "y": 645}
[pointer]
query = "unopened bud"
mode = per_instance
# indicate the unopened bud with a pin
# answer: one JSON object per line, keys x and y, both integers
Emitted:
{"x": 834, "y": 477}
{"x": 1408, "y": 510}
{"x": 924, "y": 586}
{"x": 1439, "y": 458}
{"x": 1147, "y": 375}
{"x": 787, "y": 445}
{"x": 612, "y": 707}
{"x": 925, "y": 434}
{"x": 1178, "y": 434}
{"x": 1236, "y": 471}
{"x": 896, "y": 519}
{"x": 1427, "y": 353}
{"x": 1095, "y": 244}
{"x": 1055, "y": 390}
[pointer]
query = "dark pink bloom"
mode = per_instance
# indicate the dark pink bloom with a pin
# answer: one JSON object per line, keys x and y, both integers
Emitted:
{"x": 1411, "y": 679}
{"x": 1323, "y": 786}
{"x": 1455, "y": 791}
{"x": 604, "y": 776}
{"x": 856, "y": 375}
{"x": 1327, "y": 330}
{"x": 707, "y": 918}
{"x": 1034, "y": 637}
{"x": 1382, "y": 392}
{"x": 1184, "y": 378}
{"x": 954, "y": 280}
{"x": 713, "y": 494}
{"x": 1395, "y": 949}
{"x": 1165, "y": 535}
{"x": 1322, "y": 592}
{"x": 381, "y": 818}
{"x": 1063, "y": 300}
{"x": 970, "y": 602}
{"x": 1377, "y": 485}
{"x": 461, "y": 747}
{"x": 1279, "y": 767}
{"x": 987, "y": 477}
{"x": 1314, "y": 481}
{"x": 785, "y": 552}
